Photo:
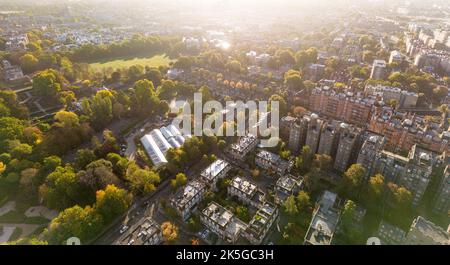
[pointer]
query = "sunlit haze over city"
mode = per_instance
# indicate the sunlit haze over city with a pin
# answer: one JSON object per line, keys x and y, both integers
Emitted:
{"x": 224, "y": 131}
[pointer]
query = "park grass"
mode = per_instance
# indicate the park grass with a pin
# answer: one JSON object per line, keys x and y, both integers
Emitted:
{"x": 117, "y": 63}
{"x": 20, "y": 218}
{"x": 16, "y": 234}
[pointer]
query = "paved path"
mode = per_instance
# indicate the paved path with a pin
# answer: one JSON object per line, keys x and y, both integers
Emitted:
{"x": 7, "y": 207}
{"x": 27, "y": 229}
{"x": 23, "y": 89}
{"x": 7, "y": 232}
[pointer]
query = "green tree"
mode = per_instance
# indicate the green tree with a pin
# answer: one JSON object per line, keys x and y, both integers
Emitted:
{"x": 184, "y": 63}
{"x": 101, "y": 106}
{"x": 234, "y": 66}
{"x": 285, "y": 57}
{"x": 84, "y": 157}
{"x": 10, "y": 129}
{"x": 112, "y": 202}
{"x": 242, "y": 213}
{"x": 120, "y": 164}
{"x": 167, "y": 90}
{"x": 145, "y": 100}
{"x": 180, "y": 180}
{"x": 290, "y": 206}
{"x": 46, "y": 83}
{"x": 375, "y": 191}
{"x": 29, "y": 63}
{"x": 60, "y": 189}
{"x": 50, "y": 163}
{"x": 154, "y": 75}
{"x": 135, "y": 72}
{"x": 402, "y": 197}
{"x": 323, "y": 162}
{"x": 76, "y": 221}
{"x": 142, "y": 181}
{"x": 293, "y": 80}
{"x": 303, "y": 201}
{"x": 368, "y": 57}
{"x": 352, "y": 181}
{"x": 282, "y": 103}
{"x": 304, "y": 161}
{"x": 206, "y": 93}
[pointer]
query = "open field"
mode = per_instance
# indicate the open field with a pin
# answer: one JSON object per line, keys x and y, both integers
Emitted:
{"x": 115, "y": 63}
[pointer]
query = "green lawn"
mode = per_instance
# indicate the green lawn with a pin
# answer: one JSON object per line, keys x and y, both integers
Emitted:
{"x": 153, "y": 61}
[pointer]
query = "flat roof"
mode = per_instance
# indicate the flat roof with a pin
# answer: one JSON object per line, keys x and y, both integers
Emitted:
{"x": 187, "y": 192}
{"x": 214, "y": 169}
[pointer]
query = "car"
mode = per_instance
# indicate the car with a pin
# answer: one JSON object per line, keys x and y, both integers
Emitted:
{"x": 204, "y": 233}
{"x": 123, "y": 229}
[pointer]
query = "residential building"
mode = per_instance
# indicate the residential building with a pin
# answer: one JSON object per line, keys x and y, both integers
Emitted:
{"x": 297, "y": 135}
{"x": 286, "y": 186}
{"x": 329, "y": 138}
{"x": 372, "y": 146}
{"x": 412, "y": 172}
{"x": 16, "y": 43}
{"x": 346, "y": 150}
{"x": 403, "y": 98}
{"x": 390, "y": 234}
{"x": 378, "y": 69}
{"x": 246, "y": 191}
{"x": 324, "y": 221}
{"x": 418, "y": 172}
{"x": 424, "y": 232}
{"x": 215, "y": 171}
{"x": 348, "y": 107}
{"x": 145, "y": 232}
{"x": 262, "y": 59}
{"x": 273, "y": 162}
{"x": 314, "y": 130}
{"x": 442, "y": 196}
{"x": 192, "y": 43}
{"x": 396, "y": 57}
{"x": 11, "y": 73}
{"x": 188, "y": 197}
{"x": 222, "y": 222}
{"x": 245, "y": 145}
{"x": 402, "y": 130}
{"x": 260, "y": 224}
{"x": 315, "y": 72}
{"x": 391, "y": 166}
{"x": 286, "y": 123}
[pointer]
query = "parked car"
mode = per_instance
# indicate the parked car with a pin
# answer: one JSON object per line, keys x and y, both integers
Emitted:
{"x": 123, "y": 229}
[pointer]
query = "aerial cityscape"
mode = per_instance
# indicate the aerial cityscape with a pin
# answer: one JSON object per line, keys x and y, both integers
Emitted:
{"x": 321, "y": 122}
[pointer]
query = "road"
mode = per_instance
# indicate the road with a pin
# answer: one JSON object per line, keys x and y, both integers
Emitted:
{"x": 139, "y": 208}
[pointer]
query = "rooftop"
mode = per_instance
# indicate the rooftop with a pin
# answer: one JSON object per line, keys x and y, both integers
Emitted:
{"x": 288, "y": 182}
{"x": 214, "y": 169}
{"x": 243, "y": 185}
{"x": 187, "y": 193}
{"x": 430, "y": 230}
{"x": 243, "y": 143}
{"x": 324, "y": 221}
{"x": 224, "y": 218}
